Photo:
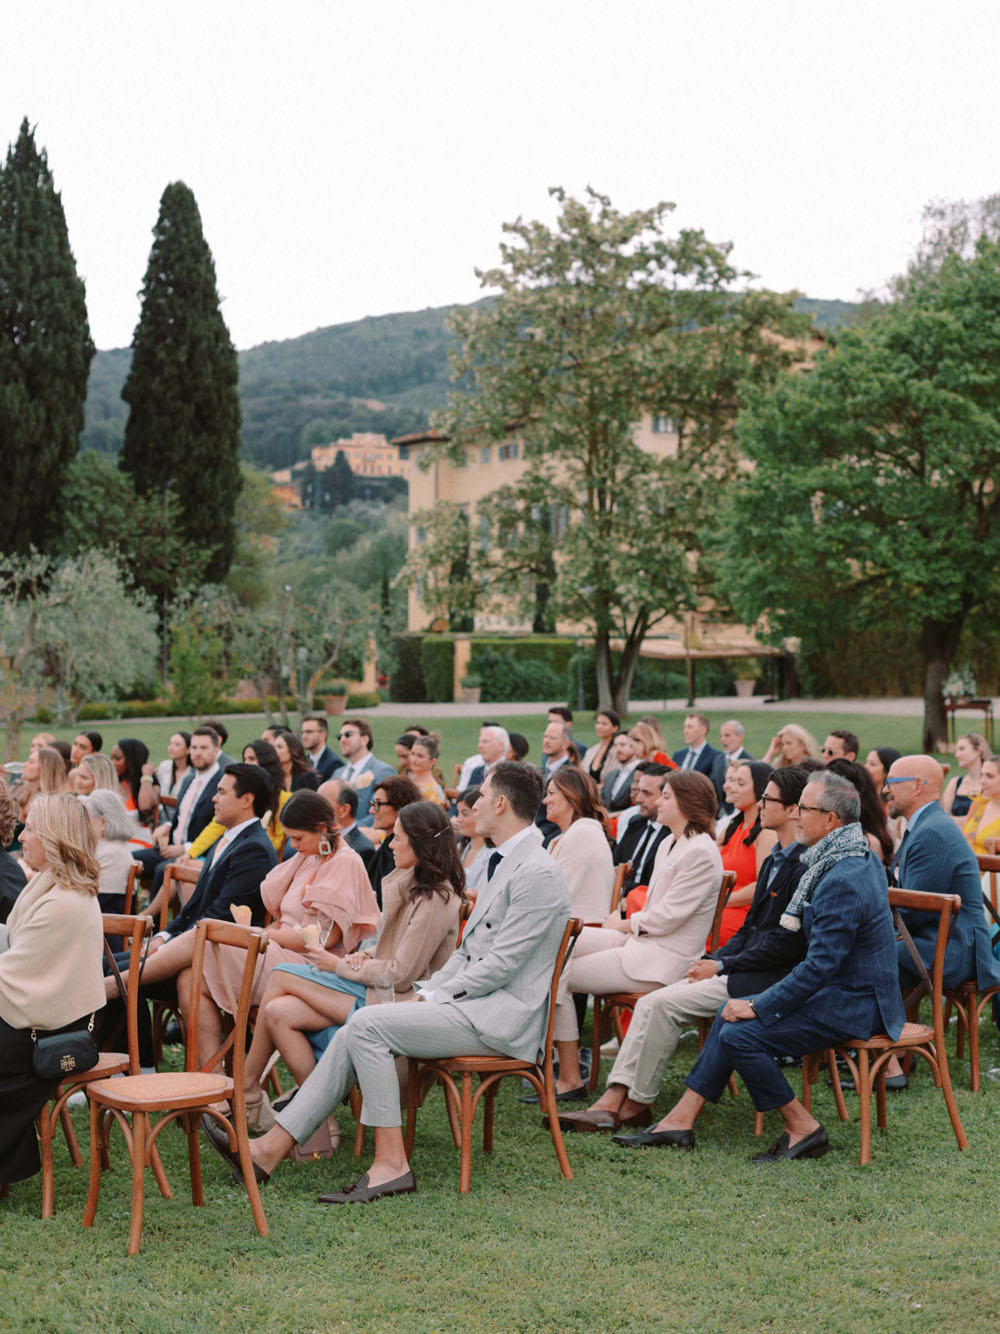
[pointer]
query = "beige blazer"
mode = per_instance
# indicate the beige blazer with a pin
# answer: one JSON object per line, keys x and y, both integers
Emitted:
{"x": 415, "y": 938}
{"x": 672, "y": 928}
{"x": 584, "y": 856}
{"x": 50, "y": 956}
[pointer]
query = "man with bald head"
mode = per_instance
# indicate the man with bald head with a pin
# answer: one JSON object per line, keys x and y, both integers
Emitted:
{"x": 343, "y": 797}
{"x": 935, "y": 858}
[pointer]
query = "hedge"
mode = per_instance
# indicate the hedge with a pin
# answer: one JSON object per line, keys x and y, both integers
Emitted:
{"x": 407, "y": 684}
{"x": 437, "y": 655}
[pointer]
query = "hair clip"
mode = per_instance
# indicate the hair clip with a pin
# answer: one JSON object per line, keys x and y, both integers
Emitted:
{"x": 441, "y": 831}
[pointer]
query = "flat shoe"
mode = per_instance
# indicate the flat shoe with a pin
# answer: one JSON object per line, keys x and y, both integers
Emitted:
{"x": 813, "y": 1145}
{"x": 589, "y": 1122}
{"x": 893, "y": 1084}
{"x": 579, "y": 1094}
{"x": 219, "y": 1141}
{"x": 362, "y": 1193}
{"x": 656, "y": 1139}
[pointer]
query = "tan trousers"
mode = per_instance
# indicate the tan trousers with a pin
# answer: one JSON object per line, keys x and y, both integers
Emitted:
{"x": 653, "y": 1034}
{"x": 595, "y": 970}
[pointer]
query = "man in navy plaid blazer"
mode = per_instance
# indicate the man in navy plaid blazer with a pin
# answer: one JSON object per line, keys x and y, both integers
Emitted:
{"x": 846, "y": 987}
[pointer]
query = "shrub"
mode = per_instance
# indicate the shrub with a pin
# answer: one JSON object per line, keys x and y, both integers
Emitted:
{"x": 364, "y": 699}
{"x": 437, "y": 657}
{"x": 407, "y": 684}
{"x": 508, "y": 678}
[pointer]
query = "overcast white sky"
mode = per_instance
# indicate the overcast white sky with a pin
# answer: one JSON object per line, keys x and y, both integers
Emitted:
{"x": 355, "y": 157}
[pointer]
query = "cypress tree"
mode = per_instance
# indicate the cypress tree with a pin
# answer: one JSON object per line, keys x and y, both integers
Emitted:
{"x": 183, "y": 429}
{"x": 45, "y": 347}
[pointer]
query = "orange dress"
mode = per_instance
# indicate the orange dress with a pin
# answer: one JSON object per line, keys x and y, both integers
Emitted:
{"x": 738, "y": 857}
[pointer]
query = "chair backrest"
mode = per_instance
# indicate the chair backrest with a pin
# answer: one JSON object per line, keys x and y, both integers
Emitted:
{"x": 991, "y": 866}
{"x": 130, "y": 887}
{"x": 725, "y": 889}
{"x": 212, "y": 934}
{"x": 946, "y": 906}
{"x": 122, "y": 926}
{"x": 573, "y": 928}
{"x": 622, "y": 873}
{"x": 175, "y": 876}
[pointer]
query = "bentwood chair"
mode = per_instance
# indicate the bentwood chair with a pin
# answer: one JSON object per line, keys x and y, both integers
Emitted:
{"x": 491, "y": 1069}
{"x": 867, "y": 1058}
{"x": 185, "y": 1096}
{"x": 968, "y": 998}
{"x": 173, "y": 879}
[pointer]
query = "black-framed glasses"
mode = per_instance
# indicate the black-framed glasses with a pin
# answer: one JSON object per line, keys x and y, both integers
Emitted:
{"x": 822, "y": 809}
{"x": 378, "y": 805}
{"x": 762, "y": 801}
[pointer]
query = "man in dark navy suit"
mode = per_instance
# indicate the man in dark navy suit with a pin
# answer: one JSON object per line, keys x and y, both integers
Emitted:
{"x": 847, "y": 986}
{"x": 343, "y": 797}
{"x": 643, "y": 833}
{"x": 324, "y": 761}
{"x": 194, "y": 807}
{"x": 696, "y": 753}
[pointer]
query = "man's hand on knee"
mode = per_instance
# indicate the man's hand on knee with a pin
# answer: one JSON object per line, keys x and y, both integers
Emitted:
{"x": 738, "y": 1009}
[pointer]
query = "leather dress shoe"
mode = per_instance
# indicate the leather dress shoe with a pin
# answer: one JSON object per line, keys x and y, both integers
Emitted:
{"x": 813, "y": 1145}
{"x": 600, "y": 1120}
{"x": 656, "y": 1139}
{"x": 579, "y": 1094}
{"x": 219, "y": 1141}
{"x": 362, "y": 1193}
{"x": 893, "y": 1084}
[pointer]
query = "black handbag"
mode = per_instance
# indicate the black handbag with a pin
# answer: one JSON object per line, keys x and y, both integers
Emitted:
{"x": 60, "y": 1055}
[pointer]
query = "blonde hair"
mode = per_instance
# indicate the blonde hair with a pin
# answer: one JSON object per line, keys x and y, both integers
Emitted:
{"x": 8, "y": 815}
{"x": 51, "y": 770}
{"x": 67, "y": 838}
{"x": 103, "y": 770}
{"x": 648, "y": 738}
{"x": 807, "y": 739}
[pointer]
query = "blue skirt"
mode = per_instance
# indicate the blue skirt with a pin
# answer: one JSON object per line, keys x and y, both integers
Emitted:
{"x": 321, "y": 1039}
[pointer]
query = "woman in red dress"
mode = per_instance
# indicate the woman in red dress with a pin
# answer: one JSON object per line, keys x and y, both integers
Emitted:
{"x": 743, "y": 843}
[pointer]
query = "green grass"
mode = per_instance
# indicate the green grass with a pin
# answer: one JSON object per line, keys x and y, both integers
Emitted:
{"x": 459, "y": 735}
{"x": 637, "y": 1241}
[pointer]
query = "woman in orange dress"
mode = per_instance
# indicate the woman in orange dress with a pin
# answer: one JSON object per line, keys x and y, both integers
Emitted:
{"x": 743, "y": 843}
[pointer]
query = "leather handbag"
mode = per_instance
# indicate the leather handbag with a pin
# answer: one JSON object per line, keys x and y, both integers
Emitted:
{"x": 59, "y": 1055}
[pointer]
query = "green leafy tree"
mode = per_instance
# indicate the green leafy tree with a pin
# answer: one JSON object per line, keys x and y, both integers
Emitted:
{"x": 183, "y": 427}
{"x": 598, "y": 320}
{"x": 45, "y": 347}
{"x": 873, "y": 497}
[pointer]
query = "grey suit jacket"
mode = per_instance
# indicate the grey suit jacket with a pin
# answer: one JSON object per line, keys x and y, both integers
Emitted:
{"x": 501, "y": 974}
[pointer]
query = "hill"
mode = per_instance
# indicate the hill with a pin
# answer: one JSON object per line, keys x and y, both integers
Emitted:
{"x": 385, "y": 373}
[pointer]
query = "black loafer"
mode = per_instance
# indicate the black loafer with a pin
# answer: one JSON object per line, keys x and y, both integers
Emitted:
{"x": 579, "y": 1094}
{"x": 893, "y": 1084}
{"x": 219, "y": 1141}
{"x": 813, "y": 1145}
{"x": 362, "y": 1193}
{"x": 656, "y": 1139}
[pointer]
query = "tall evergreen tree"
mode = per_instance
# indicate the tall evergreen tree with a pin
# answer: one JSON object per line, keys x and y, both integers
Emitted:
{"x": 45, "y": 347}
{"x": 184, "y": 419}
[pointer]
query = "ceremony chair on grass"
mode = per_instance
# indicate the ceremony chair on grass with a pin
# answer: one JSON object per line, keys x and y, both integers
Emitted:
{"x": 969, "y": 1001}
{"x": 491, "y": 1069}
{"x": 184, "y": 1096}
{"x": 163, "y": 1012}
{"x": 868, "y": 1058}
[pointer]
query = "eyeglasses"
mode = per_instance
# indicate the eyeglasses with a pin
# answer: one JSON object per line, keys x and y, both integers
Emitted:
{"x": 378, "y": 805}
{"x": 822, "y": 809}
{"x": 342, "y": 735}
{"x": 888, "y": 782}
{"x": 827, "y": 750}
{"x": 776, "y": 800}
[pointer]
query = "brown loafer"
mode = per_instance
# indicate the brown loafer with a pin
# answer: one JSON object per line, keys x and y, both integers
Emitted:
{"x": 586, "y": 1123}
{"x": 219, "y": 1141}
{"x": 362, "y": 1193}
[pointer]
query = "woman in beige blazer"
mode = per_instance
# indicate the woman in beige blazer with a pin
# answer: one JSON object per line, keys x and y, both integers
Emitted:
{"x": 50, "y": 965}
{"x": 581, "y": 848}
{"x": 305, "y": 1003}
{"x": 655, "y": 945}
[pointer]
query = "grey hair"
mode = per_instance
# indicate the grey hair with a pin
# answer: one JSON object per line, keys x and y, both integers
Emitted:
{"x": 736, "y": 725}
{"x": 118, "y": 828}
{"x": 501, "y": 732}
{"x": 838, "y": 796}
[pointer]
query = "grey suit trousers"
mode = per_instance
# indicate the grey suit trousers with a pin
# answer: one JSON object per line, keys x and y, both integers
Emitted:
{"x": 365, "y": 1050}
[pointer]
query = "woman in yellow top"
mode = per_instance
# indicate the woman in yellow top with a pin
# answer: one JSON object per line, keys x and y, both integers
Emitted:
{"x": 263, "y": 754}
{"x": 422, "y": 758}
{"x": 984, "y": 815}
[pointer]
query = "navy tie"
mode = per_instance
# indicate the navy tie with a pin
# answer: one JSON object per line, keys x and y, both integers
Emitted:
{"x": 495, "y": 859}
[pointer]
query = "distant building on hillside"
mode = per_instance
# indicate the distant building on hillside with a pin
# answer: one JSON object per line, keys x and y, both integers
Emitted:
{"x": 369, "y": 455}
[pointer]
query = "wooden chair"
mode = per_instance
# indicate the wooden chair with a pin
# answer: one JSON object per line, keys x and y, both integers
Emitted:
{"x": 183, "y": 1096}
{"x": 491, "y": 1069}
{"x": 867, "y": 1058}
{"x": 622, "y": 873}
{"x": 116, "y": 926}
{"x": 968, "y": 1000}
{"x": 174, "y": 877}
{"x": 610, "y": 1005}
{"x": 130, "y": 888}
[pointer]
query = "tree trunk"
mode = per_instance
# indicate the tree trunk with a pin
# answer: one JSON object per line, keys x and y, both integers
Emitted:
{"x": 938, "y": 644}
{"x": 623, "y": 677}
{"x": 602, "y": 669}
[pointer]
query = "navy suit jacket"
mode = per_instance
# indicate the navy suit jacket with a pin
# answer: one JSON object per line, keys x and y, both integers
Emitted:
{"x": 204, "y": 810}
{"x": 236, "y": 878}
{"x": 707, "y": 763}
{"x": 327, "y": 764}
{"x": 848, "y": 980}
{"x": 935, "y": 858}
{"x": 761, "y": 952}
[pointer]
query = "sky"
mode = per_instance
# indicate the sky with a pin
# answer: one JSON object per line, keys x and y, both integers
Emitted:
{"x": 358, "y": 158}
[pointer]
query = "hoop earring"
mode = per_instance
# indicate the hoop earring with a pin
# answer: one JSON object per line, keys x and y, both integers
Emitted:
{"x": 325, "y": 846}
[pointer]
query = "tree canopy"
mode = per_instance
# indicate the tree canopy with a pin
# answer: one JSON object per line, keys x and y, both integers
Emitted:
{"x": 45, "y": 347}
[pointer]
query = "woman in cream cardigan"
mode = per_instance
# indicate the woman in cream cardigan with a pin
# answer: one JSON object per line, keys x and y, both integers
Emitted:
{"x": 581, "y": 848}
{"x": 50, "y": 965}
{"x": 655, "y": 945}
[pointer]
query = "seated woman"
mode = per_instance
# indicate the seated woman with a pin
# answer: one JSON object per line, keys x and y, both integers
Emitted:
{"x": 50, "y": 966}
{"x": 136, "y": 788}
{"x": 170, "y": 774}
{"x": 743, "y": 844}
{"x": 983, "y": 823}
{"x": 402, "y": 748}
{"x": 421, "y": 903}
{"x": 581, "y": 848}
{"x": 112, "y": 831}
{"x": 84, "y": 743}
{"x": 423, "y": 756}
{"x": 874, "y": 824}
{"x": 473, "y": 852}
{"x": 648, "y": 743}
{"x": 971, "y": 751}
{"x": 92, "y": 773}
{"x": 12, "y": 876}
{"x": 791, "y": 746}
{"x": 878, "y": 762}
{"x": 656, "y": 944}
{"x": 599, "y": 759}
{"x": 44, "y": 771}
{"x": 297, "y": 771}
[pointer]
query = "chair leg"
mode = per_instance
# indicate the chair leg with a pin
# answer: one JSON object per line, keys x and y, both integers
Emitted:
{"x": 412, "y": 1082}
{"x": 880, "y": 1096}
{"x": 191, "y": 1126}
{"x": 488, "y": 1101}
{"x": 69, "y": 1134}
{"x": 595, "y": 1055}
{"x": 548, "y": 1101}
{"x": 838, "y": 1092}
{"x": 949, "y": 1098}
{"x": 465, "y": 1170}
{"x": 807, "y": 1080}
{"x": 44, "y": 1123}
{"x": 454, "y": 1114}
{"x": 354, "y": 1098}
{"x": 158, "y": 1171}
{"x": 96, "y": 1116}
{"x": 250, "y": 1176}
{"x": 758, "y": 1124}
{"x": 865, "y": 1098}
{"x": 140, "y": 1125}
{"x": 973, "y": 1025}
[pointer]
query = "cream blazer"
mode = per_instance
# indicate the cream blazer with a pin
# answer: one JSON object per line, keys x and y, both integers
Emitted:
{"x": 584, "y": 856}
{"x": 672, "y": 928}
{"x": 50, "y": 956}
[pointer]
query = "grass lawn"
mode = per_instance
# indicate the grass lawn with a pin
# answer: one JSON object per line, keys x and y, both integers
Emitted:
{"x": 651, "y": 1240}
{"x": 460, "y": 734}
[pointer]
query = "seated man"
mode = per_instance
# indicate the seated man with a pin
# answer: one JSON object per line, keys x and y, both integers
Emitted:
{"x": 343, "y": 797}
{"x": 644, "y": 833}
{"x": 841, "y": 745}
{"x": 234, "y": 868}
{"x": 192, "y": 812}
{"x": 491, "y": 996}
{"x": 696, "y": 753}
{"x": 314, "y": 733}
{"x": 361, "y": 768}
{"x": 760, "y": 953}
{"x": 846, "y": 986}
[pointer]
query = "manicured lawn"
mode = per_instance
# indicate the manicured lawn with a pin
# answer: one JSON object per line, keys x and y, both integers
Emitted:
{"x": 637, "y": 1241}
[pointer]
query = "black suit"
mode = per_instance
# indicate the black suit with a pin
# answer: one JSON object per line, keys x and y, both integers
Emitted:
{"x": 236, "y": 879}
{"x": 761, "y": 952}
{"x": 704, "y": 764}
{"x": 625, "y": 850}
{"x": 622, "y": 799}
{"x": 327, "y": 763}
{"x": 355, "y": 839}
{"x": 378, "y": 863}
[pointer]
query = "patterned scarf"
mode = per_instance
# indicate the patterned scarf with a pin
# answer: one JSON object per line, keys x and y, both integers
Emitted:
{"x": 847, "y": 841}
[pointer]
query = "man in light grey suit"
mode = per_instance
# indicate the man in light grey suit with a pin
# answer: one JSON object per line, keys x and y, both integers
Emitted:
{"x": 491, "y": 996}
